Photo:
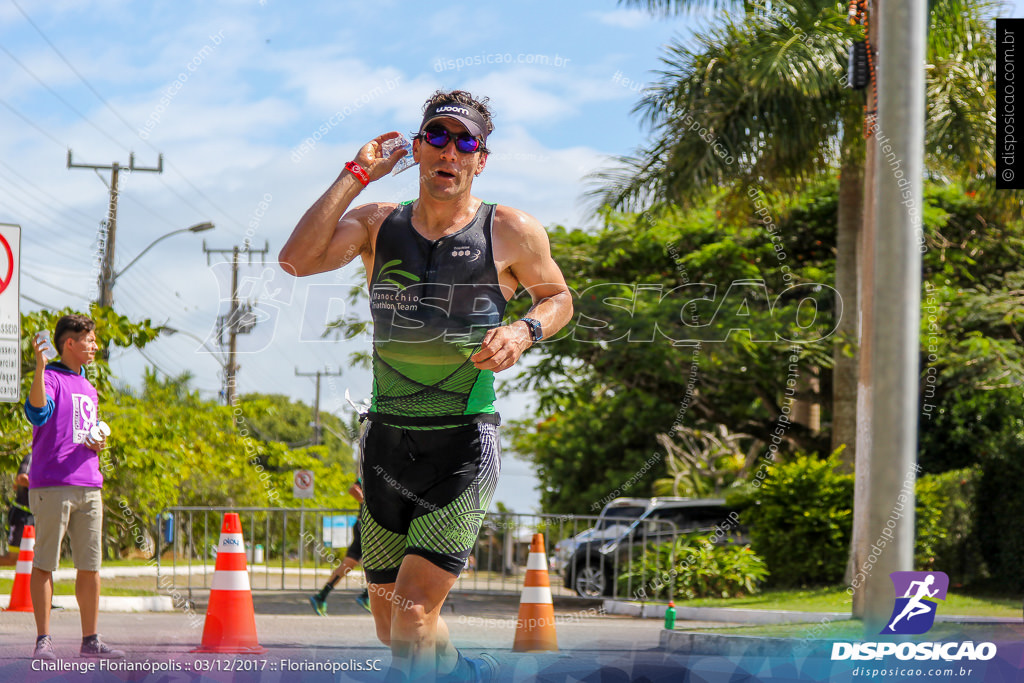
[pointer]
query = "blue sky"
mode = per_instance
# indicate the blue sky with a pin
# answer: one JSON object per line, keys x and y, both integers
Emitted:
{"x": 229, "y": 92}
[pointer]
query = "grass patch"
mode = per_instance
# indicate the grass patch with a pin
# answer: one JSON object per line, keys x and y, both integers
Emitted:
{"x": 836, "y": 599}
{"x": 130, "y": 585}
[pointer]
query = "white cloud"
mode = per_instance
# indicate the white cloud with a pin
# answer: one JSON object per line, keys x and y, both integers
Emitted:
{"x": 624, "y": 18}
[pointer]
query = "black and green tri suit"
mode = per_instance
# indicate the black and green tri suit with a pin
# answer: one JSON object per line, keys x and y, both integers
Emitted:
{"x": 430, "y": 452}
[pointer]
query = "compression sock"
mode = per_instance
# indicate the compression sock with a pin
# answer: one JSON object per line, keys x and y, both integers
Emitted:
{"x": 328, "y": 587}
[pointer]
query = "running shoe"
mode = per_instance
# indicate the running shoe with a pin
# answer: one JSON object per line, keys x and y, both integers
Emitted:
{"x": 319, "y": 605}
{"x": 44, "y": 649}
{"x": 97, "y": 649}
{"x": 364, "y": 600}
{"x": 485, "y": 668}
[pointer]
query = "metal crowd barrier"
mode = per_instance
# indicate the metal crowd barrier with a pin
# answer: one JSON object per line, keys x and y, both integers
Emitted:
{"x": 298, "y": 548}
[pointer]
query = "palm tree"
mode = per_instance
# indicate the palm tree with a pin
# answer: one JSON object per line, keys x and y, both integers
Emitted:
{"x": 761, "y": 99}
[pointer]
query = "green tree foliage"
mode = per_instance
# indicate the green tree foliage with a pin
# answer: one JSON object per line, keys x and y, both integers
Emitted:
{"x": 945, "y": 521}
{"x": 805, "y": 503}
{"x": 604, "y": 401}
{"x": 276, "y": 417}
{"x": 641, "y": 359}
{"x": 170, "y": 447}
{"x": 982, "y": 430}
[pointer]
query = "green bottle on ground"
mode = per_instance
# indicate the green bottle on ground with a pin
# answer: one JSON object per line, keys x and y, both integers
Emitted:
{"x": 670, "y": 616}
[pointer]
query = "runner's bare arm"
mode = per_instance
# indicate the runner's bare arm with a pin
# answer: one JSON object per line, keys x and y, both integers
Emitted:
{"x": 37, "y": 393}
{"x": 534, "y": 268}
{"x": 327, "y": 237}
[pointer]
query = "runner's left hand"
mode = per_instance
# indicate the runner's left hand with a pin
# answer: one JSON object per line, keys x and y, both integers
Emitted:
{"x": 502, "y": 347}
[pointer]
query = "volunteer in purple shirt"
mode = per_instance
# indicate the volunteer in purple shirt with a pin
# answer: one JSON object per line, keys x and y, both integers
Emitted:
{"x": 65, "y": 481}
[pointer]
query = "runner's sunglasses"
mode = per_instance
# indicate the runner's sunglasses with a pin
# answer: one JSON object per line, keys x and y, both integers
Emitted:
{"x": 438, "y": 136}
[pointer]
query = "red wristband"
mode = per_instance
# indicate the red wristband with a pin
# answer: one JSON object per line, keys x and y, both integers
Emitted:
{"x": 359, "y": 172}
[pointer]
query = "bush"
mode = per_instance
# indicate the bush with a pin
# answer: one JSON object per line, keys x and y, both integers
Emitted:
{"x": 986, "y": 429}
{"x": 800, "y": 521}
{"x": 945, "y": 517}
{"x": 1000, "y": 523}
{"x": 700, "y": 569}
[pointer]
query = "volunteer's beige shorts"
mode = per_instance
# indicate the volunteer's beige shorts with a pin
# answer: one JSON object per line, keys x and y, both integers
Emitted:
{"x": 74, "y": 510}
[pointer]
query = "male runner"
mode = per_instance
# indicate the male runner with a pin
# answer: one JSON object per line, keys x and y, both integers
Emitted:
{"x": 440, "y": 270}
{"x": 353, "y": 556}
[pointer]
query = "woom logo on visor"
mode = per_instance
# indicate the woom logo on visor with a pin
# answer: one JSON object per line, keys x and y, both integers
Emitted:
{"x": 452, "y": 109}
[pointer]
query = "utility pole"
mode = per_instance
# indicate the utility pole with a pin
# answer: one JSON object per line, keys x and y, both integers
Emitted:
{"x": 865, "y": 362}
{"x": 240, "y": 320}
{"x": 896, "y": 304}
{"x": 106, "y": 278}
{"x": 316, "y": 400}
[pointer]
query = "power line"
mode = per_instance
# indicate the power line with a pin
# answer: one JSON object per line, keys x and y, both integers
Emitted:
{"x": 37, "y": 302}
{"x": 69, "y": 64}
{"x": 122, "y": 119}
{"x": 61, "y": 98}
{"x": 107, "y": 271}
{"x": 49, "y": 196}
{"x": 32, "y": 123}
{"x": 53, "y": 286}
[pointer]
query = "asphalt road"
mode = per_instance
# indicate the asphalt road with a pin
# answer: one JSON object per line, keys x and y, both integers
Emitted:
{"x": 159, "y": 644}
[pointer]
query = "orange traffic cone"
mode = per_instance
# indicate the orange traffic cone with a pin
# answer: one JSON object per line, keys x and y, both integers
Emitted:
{"x": 21, "y": 594}
{"x": 535, "y": 630}
{"x": 230, "y": 620}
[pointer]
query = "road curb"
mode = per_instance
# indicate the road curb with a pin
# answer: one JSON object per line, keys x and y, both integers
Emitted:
{"x": 693, "y": 642}
{"x": 730, "y": 615}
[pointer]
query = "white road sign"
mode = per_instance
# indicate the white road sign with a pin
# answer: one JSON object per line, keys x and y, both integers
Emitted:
{"x": 10, "y": 313}
{"x": 302, "y": 484}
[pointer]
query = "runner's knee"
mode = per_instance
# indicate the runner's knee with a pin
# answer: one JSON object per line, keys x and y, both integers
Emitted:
{"x": 409, "y": 617}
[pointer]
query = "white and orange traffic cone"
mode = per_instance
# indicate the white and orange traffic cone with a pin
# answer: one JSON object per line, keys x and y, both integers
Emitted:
{"x": 230, "y": 619}
{"x": 21, "y": 592}
{"x": 535, "y": 630}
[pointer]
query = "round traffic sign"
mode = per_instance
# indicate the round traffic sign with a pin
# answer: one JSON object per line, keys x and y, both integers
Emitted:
{"x": 10, "y": 265}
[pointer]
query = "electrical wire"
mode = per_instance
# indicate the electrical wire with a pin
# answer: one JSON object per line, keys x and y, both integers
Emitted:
{"x": 61, "y": 98}
{"x": 37, "y": 302}
{"x": 32, "y": 123}
{"x": 49, "y": 196}
{"x": 124, "y": 121}
{"x": 53, "y": 286}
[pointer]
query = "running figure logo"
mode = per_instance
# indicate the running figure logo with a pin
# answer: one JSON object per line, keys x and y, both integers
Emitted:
{"x": 914, "y": 611}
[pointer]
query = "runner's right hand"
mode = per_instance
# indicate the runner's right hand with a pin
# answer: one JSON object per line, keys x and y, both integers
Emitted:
{"x": 37, "y": 346}
{"x": 371, "y": 156}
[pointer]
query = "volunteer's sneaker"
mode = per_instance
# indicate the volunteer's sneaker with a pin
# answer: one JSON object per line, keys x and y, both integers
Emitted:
{"x": 364, "y": 600}
{"x": 485, "y": 668}
{"x": 97, "y": 649}
{"x": 44, "y": 649}
{"x": 319, "y": 605}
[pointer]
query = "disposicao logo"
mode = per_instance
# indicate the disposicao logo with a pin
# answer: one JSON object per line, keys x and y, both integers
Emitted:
{"x": 914, "y": 611}
{"x": 913, "y": 614}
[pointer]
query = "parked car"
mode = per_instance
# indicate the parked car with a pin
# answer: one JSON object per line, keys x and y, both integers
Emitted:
{"x": 615, "y": 517}
{"x": 595, "y": 563}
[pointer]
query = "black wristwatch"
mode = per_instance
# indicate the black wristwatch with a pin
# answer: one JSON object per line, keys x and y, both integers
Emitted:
{"x": 536, "y": 333}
